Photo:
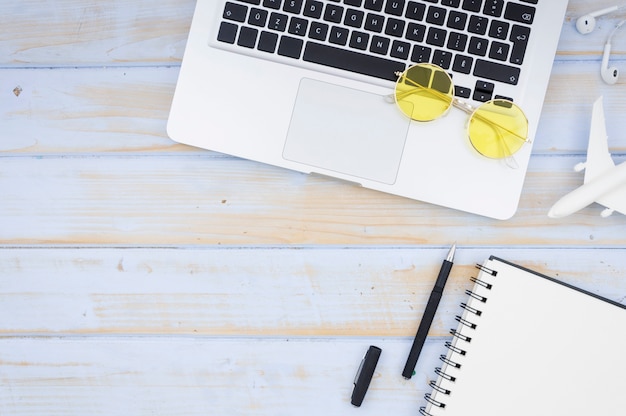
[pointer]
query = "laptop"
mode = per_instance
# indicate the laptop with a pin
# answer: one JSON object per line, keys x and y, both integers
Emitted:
{"x": 306, "y": 84}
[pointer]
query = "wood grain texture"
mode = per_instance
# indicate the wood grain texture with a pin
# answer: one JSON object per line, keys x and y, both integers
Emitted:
{"x": 371, "y": 292}
{"x": 77, "y": 33}
{"x": 213, "y": 200}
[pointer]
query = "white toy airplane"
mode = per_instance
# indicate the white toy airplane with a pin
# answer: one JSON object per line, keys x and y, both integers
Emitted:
{"x": 605, "y": 183}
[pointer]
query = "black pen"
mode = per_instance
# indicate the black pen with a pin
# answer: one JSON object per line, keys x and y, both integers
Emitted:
{"x": 429, "y": 314}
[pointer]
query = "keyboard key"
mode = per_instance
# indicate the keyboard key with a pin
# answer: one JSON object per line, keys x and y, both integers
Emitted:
{"x": 472, "y": 5}
{"x": 457, "y": 20}
{"x": 478, "y": 46}
{"x": 485, "y": 86}
{"x": 236, "y": 12}
{"x": 272, "y": 4}
{"x": 394, "y": 7}
{"x": 339, "y": 35}
{"x": 278, "y": 22}
{"x": 258, "y": 17}
{"x": 436, "y": 15}
{"x": 462, "y": 92}
{"x": 416, "y": 32}
{"x": 395, "y": 27}
{"x": 227, "y": 32}
{"x": 442, "y": 58}
{"x": 354, "y": 18}
{"x": 333, "y": 13}
{"x": 267, "y": 42}
{"x": 374, "y": 23}
{"x": 451, "y": 3}
{"x": 374, "y": 5}
{"x": 380, "y": 45}
{"x": 415, "y": 10}
{"x": 483, "y": 91}
{"x": 290, "y": 47}
{"x": 247, "y": 37}
{"x": 498, "y": 29}
{"x": 359, "y": 40}
{"x": 421, "y": 54}
{"x": 298, "y": 26}
{"x": 519, "y": 13}
{"x": 481, "y": 96}
{"x": 497, "y": 72}
{"x": 352, "y": 61}
{"x": 462, "y": 64}
{"x": 519, "y": 37}
{"x": 436, "y": 37}
{"x": 293, "y": 6}
{"x": 313, "y": 9}
{"x": 318, "y": 31}
{"x": 493, "y": 8}
{"x": 457, "y": 41}
{"x": 255, "y": 2}
{"x": 400, "y": 49}
{"x": 356, "y": 3}
{"x": 499, "y": 51}
{"x": 478, "y": 25}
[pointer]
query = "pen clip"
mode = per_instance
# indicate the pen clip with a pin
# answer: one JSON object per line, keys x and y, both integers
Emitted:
{"x": 358, "y": 372}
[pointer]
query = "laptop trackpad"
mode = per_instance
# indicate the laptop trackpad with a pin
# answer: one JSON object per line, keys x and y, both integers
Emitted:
{"x": 346, "y": 131}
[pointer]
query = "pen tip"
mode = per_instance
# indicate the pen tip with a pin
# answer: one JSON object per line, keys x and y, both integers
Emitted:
{"x": 450, "y": 256}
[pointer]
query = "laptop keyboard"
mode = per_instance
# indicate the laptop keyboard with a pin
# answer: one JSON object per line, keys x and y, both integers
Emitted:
{"x": 483, "y": 39}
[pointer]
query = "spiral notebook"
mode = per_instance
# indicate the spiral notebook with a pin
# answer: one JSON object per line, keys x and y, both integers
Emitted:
{"x": 527, "y": 344}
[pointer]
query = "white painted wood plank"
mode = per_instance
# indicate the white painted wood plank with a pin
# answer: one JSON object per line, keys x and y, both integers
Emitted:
{"x": 86, "y": 110}
{"x": 77, "y": 33}
{"x": 313, "y": 292}
{"x": 185, "y": 376}
{"x": 196, "y": 200}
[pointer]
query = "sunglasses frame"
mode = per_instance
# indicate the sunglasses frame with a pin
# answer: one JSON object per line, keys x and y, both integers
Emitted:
{"x": 465, "y": 107}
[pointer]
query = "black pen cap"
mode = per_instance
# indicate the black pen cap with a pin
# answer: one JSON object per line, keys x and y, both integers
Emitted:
{"x": 364, "y": 375}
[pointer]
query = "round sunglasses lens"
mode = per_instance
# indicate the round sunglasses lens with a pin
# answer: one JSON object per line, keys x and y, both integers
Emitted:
{"x": 424, "y": 92}
{"x": 498, "y": 128}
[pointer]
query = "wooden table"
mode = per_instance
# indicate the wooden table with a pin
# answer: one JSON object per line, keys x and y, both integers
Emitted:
{"x": 143, "y": 277}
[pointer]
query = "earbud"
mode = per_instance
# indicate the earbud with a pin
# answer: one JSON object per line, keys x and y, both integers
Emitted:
{"x": 585, "y": 24}
{"x": 608, "y": 73}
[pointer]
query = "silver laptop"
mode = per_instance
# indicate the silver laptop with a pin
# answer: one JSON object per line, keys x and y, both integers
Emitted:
{"x": 305, "y": 85}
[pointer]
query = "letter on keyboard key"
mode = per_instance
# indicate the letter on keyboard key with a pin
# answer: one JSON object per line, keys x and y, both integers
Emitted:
{"x": 352, "y": 61}
{"x": 497, "y": 72}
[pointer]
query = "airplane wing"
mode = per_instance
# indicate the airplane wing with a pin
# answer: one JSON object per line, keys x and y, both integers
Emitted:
{"x": 615, "y": 200}
{"x": 598, "y": 157}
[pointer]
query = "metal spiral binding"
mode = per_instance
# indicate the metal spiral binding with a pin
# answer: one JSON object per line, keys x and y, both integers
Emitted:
{"x": 486, "y": 270}
{"x": 454, "y": 349}
{"x": 476, "y": 296}
{"x": 481, "y": 282}
{"x": 460, "y": 336}
{"x": 471, "y": 310}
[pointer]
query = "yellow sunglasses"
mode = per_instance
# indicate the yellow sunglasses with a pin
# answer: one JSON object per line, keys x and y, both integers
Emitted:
{"x": 496, "y": 129}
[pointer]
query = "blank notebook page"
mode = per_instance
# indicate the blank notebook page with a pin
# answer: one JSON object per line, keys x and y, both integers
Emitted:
{"x": 540, "y": 347}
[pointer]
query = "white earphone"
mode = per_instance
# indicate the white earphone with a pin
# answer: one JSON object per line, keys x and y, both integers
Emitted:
{"x": 586, "y": 24}
{"x": 608, "y": 73}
